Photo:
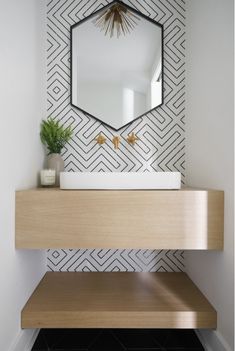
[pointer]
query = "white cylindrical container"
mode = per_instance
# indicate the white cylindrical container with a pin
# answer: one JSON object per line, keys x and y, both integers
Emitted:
{"x": 48, "y": 177}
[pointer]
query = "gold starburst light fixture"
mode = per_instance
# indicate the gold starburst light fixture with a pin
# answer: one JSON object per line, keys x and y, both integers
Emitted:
{"x": 116, "y": 19}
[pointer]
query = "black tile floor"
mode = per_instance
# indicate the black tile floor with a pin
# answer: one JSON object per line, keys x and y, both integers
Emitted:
{"x": 117, "y": 340}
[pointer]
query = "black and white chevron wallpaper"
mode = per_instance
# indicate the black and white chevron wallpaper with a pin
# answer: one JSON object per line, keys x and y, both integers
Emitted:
{"x": 161, "y": 132}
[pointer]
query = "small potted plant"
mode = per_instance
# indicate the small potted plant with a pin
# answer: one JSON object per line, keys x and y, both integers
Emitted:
{"x": 54, "y": 136}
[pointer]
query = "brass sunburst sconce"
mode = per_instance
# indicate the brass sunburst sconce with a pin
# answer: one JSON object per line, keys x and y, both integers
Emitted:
{"x": 116, "y": 19}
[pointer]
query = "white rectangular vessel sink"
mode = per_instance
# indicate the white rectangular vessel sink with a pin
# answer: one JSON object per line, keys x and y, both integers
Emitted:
{"x": 120, "y": 180}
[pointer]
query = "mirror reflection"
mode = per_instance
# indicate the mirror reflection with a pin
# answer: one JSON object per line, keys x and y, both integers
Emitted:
{"x": 116, "y": 65}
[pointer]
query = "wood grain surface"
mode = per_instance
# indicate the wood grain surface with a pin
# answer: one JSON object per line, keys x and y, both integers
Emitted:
{"x": 152, "y": 219}
{"x": 117, "y": 300}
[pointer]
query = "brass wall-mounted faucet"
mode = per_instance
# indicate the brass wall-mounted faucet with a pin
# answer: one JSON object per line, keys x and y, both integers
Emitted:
{"x": 131, "y": 139}
{"x": 116, "y": 141}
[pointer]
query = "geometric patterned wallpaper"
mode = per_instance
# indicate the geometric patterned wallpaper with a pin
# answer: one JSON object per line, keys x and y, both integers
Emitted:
{"x": 161, "y": 145}
{"x": 115, "y": 260}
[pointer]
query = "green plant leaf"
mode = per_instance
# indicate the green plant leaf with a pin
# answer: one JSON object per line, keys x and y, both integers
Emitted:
{"x": 54, "y": 136}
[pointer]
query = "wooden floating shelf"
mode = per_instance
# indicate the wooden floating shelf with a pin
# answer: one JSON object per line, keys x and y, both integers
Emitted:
{"x": 152, "y": 219}
{"x": 117, "y": 300}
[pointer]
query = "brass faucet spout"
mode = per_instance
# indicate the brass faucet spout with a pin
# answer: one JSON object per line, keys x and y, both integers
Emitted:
{"x": 116, "y": 142}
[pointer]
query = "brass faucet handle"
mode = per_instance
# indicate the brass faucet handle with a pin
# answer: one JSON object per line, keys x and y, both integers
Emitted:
{"x": 116, "y": 141}
{"x": 100, "y": 139}
{"x": 132, "y": 138}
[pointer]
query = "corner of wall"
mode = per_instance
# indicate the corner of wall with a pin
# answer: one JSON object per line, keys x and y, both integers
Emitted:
{"x": 24, "y": 340}
{"x": 212, "y": 340}
{"x": 210, "y": 149}
{"x": 22, "y": 87}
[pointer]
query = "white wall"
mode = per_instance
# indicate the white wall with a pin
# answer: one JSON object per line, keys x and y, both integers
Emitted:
{"x": 209, "y": 147}
{"x": 22, "y": 99}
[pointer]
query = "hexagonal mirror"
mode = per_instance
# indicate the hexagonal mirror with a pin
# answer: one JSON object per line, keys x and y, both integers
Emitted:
{"x": 116, "y": 68}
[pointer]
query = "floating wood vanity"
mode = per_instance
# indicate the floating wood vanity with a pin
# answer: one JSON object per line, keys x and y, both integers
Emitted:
{"x": 153, "y": 219}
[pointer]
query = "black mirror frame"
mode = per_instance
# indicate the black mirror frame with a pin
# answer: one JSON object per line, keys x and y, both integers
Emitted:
{"x": 71, "y": 63}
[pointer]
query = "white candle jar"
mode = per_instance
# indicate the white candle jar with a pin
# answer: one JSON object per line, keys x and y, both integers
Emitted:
{"x": 47, "y": 177}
